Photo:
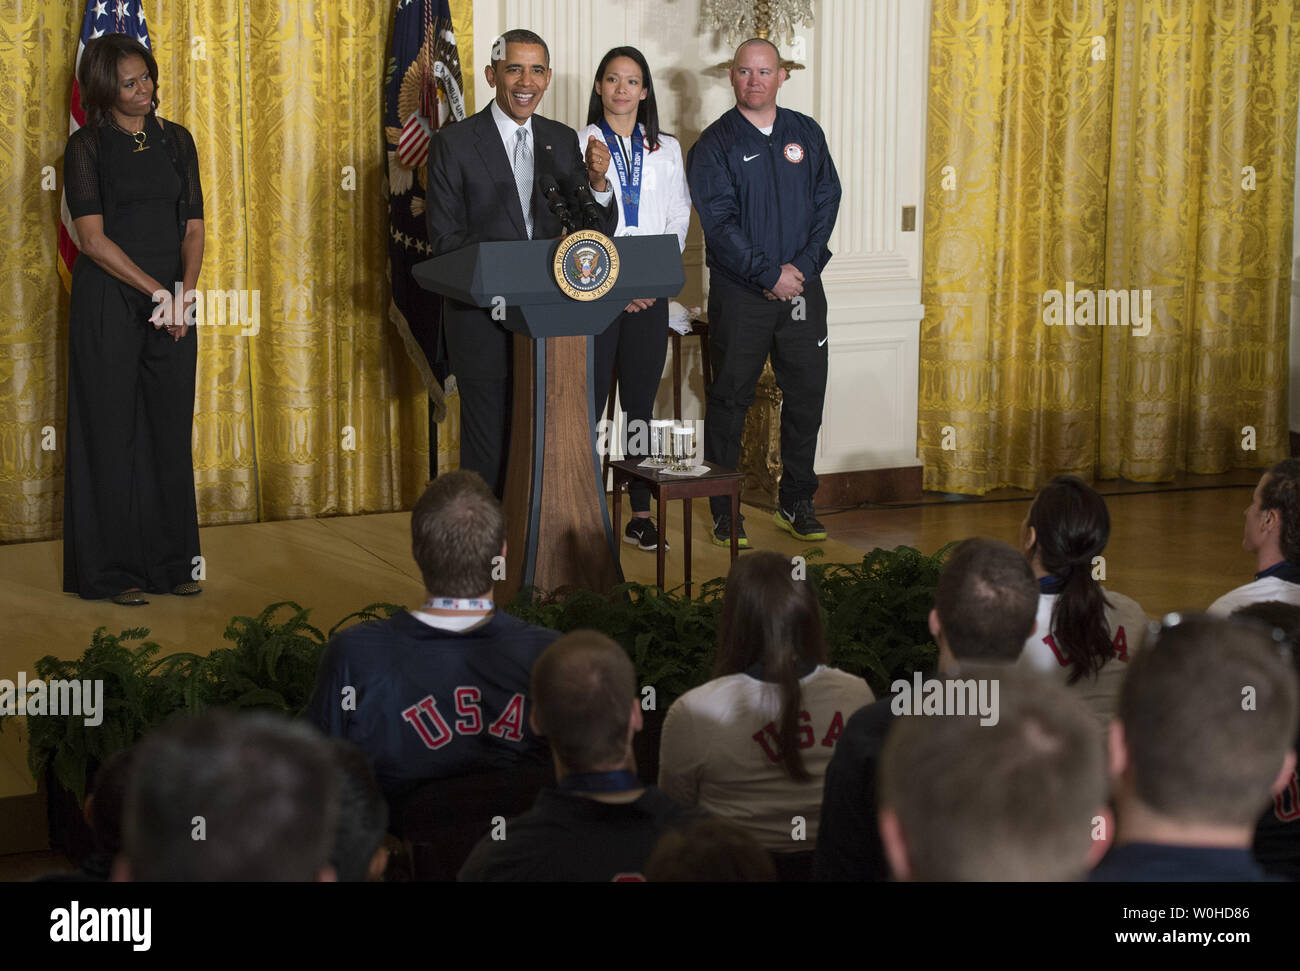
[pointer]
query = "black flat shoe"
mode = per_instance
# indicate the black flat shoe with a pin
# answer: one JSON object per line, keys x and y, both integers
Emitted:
{"x": 186, "y": 589}
{"x": 130, "y": 598}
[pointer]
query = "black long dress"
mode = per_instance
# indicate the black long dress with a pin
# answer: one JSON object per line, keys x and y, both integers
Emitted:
{"x": 129, "y": 514}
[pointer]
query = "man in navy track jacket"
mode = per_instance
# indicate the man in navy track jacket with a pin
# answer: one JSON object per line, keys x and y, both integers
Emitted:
{"x": 764, "y": 184}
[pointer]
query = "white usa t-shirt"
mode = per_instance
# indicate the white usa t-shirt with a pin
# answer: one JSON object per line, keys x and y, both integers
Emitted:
{"x": 1127, "y": 623}
{"x": 720, "y": 751}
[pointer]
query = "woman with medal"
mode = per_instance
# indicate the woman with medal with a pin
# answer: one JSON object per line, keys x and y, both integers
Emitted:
{"x": 644, "y": 167}
{"x": 130, "y": 524}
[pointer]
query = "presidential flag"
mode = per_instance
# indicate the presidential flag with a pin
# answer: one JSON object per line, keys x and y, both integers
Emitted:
{"x": 102, "y": 17}
{"x": 423, "y": 92}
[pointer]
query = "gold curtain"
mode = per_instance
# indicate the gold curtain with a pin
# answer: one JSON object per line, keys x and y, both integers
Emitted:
{"x": 1205, "y": 102}
{"x": 318, "y": 412}
{"x": 1100, "y": 146}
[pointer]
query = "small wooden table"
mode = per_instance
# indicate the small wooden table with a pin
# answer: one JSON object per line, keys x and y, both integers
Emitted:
{"x": 718, "y": 481}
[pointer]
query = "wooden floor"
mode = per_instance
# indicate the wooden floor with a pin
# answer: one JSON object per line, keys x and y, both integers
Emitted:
{"x": 1171, "y": 547}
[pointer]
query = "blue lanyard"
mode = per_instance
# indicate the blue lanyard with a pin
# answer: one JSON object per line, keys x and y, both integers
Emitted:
{"x": 1283, "y": 570}
{"x": 1050, "y": 584}
{"x": 632, "y": 186}
{"x": 620, "y": 780}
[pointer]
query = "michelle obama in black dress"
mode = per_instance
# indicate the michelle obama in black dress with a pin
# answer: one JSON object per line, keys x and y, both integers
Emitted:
{"x": 130, "y": 523}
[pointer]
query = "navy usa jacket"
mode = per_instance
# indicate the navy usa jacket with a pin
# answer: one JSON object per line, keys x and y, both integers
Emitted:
{"x": 764, "y": 200}
{"x": 425, "y": 703}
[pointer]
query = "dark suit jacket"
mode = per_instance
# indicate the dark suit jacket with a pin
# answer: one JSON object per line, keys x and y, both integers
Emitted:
{"x": 472, "y": 196}
{"x": 472, "y": 199}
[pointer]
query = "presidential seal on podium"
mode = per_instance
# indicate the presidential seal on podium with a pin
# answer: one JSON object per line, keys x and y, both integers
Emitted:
{"x": 586, "y": 265}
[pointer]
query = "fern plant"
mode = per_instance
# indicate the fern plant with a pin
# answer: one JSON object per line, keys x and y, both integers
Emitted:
{"x": 669, "y": 637}
{"x": 877, "y": 613}
{"x": 272, "y": 666}
{"x": 140, "y": 691}
{"x": 876, "y": 617}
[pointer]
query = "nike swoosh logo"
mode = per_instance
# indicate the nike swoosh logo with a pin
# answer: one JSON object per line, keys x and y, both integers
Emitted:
{"x": 750, "y": 158}
{"x": 822, "y": 342}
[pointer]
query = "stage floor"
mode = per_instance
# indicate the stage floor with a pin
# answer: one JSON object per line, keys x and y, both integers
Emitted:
{"x": 1171, "y": 547}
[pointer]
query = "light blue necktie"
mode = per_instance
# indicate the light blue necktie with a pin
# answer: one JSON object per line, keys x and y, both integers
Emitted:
{"x": 524, "y": 177}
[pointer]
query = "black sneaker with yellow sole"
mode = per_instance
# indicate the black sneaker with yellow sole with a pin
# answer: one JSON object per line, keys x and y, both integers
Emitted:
{"x": 799, "y": 521}
{"x": 722, "y": 532}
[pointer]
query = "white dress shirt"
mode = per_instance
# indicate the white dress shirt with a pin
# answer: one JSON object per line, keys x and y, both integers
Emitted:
{"x": 508, "y": 128}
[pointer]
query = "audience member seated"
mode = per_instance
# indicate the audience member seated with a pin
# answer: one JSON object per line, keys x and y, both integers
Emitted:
{"x": 102, "y": 811}
{"x": 602, "y": 822}
{"x": 438, "y": 691}
{"x": 709, "y": 851}
{"x": 1022, "y": 799}
{"x": 224, "y": 796}
{"x": 1272, "y": 533}
{"x": 1085, "y": 634}
{"x": 752, "y": 745}
{"x": 1277, "y": 834}
{"x": 984, "y": 609}
{"x": 359, "y": 854}
{"x": 1203, "y": 741}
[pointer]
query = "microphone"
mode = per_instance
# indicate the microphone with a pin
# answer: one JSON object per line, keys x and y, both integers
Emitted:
{"x": 555, "y": 201}
{"x": 587, "y": 205}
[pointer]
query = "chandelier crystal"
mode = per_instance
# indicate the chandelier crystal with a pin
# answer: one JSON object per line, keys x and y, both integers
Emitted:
{"x": 771, "y": 19}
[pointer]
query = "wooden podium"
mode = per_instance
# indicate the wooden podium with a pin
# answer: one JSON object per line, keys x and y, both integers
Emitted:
{"x": 557, "y": 524}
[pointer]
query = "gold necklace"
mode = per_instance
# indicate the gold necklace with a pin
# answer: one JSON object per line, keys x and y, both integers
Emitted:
{"x": 139, "y": 136}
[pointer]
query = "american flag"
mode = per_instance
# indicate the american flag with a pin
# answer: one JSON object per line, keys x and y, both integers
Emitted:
{"x": 424, "y": 92}
{"x": 102, "y": 17}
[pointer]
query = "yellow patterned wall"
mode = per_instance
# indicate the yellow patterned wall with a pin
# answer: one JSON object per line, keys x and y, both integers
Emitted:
{"x": 285, "y": 103}
{"x": 1111, "y": 144}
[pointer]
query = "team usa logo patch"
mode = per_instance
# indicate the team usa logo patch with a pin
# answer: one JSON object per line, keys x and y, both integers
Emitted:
{"x": 586, "y": 265}
{"x": 794, "y": 152}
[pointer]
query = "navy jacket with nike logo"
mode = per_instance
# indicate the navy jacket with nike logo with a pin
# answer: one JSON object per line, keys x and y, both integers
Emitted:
{"x": 778, "y": 207}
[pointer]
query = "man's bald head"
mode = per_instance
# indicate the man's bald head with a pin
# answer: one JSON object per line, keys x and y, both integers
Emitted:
{"x": 761, "y": 44}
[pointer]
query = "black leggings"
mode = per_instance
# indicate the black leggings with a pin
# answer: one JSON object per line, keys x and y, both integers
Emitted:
{"x": 639, "y": 344}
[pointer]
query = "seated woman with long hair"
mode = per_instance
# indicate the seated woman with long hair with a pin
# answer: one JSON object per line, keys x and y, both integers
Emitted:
{"x": 1086, "y": 635}
{"x": 752, "y": 745}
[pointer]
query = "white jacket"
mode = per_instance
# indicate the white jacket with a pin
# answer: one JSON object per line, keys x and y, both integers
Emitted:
{"x": 665, "y": 197}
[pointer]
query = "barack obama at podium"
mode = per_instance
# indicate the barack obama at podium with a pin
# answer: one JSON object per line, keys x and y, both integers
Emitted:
{"x": 484, "y": 177}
